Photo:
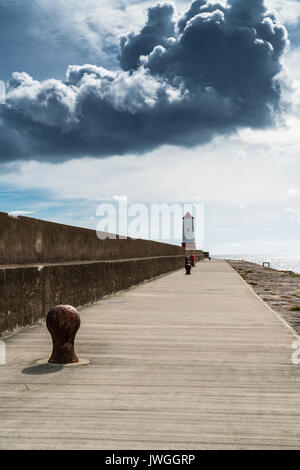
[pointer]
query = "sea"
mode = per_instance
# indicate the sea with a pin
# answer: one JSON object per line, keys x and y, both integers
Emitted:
{"x": 283, "y": 263}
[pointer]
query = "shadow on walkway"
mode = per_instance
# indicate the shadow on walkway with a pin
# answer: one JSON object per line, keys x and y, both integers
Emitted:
{"x": 43, "y": 369}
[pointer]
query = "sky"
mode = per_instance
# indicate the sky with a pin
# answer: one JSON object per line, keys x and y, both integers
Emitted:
{"x": 176, "y": 102}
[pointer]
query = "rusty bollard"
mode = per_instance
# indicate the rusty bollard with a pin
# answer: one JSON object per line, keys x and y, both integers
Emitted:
{"x": 63, "y": 322}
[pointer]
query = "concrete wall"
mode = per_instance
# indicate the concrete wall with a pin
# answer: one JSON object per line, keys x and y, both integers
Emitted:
{"x": 199, "y": 254}
{"x": 26, "y": 240}
{"x": 44, "y": 264}
{"x": 28, "y": 293}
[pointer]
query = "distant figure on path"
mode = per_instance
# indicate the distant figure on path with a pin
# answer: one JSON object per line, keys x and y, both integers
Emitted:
{"x": 192, "y": 259}
{"x": 188, "y": 266}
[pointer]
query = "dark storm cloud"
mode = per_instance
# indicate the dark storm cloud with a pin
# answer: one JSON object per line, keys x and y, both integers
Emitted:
{"x": 160, "y": 26}
{"x": 184, "y": 80}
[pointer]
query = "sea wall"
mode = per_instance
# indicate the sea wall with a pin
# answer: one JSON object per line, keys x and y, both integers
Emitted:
{"x": 43, "y": 264}
{"x": 26, "y": 240}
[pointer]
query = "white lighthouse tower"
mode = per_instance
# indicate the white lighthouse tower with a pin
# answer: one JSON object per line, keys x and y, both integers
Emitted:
{"x": 188, "y": 232}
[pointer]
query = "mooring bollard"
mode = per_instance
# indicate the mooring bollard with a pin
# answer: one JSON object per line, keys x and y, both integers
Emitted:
{"x": 188, "y": 268}
{"x": 63, "y": 322}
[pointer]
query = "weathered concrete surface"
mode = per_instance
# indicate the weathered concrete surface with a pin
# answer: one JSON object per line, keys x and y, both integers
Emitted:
{"x": 29, "y": 292}
{"x": 183, "y": 362}
{"x": 25, "y": 240}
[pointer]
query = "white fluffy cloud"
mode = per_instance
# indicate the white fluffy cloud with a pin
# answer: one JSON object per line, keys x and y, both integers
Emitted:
{"x": 251, "y": 198}
{"x": 260, "y": 168}
{"x": 289, "y": 10}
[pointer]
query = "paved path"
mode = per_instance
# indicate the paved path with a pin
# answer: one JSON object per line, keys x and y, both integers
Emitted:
{"x": 182, "y": 362}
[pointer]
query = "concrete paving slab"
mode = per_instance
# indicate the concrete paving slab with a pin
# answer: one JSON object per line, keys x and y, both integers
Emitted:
{"x": 182, "y": 362}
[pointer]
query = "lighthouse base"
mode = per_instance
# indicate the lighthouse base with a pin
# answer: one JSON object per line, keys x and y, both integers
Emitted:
{"x": 189, "y": 245}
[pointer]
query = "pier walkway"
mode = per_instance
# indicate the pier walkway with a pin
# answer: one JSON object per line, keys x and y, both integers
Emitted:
{"x": 181, "y": 362}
